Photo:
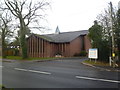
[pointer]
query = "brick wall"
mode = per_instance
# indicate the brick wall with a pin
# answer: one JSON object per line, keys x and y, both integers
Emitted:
{"x": 87, "y": 43}
{"x": 50, "y": 49}
{"x": 75, "y": 46}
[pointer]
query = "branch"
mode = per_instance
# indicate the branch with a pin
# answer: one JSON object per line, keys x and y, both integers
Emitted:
{"x": 32, "y": 11}
{"x": 22, "y": 5}
{"x": 11, "y": 8}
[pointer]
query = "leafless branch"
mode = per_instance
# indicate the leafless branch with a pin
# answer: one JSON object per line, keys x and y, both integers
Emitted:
{"x": 11, "y": 8}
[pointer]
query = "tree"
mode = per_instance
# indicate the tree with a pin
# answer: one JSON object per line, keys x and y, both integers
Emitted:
{"x": 26, "y": 12}
{"x": 105, "y": 21}
{"x": 96, "y": 36}
{"x": 5, "y": 20}
{"x": 117, "y": 32}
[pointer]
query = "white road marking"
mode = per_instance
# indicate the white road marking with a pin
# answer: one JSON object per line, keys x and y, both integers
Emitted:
{"x": 19, "y": 69}
{"x": 1, "y": 66}
{"x": 96, "y": 79}
{"x": 34, "y": 71}
{"x": 39, "y": 72}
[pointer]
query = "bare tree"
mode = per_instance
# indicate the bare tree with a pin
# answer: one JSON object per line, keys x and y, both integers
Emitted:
{"x": 105, "y": 20}
{"x": 5, "y": 31}
{"x": 26, "y": 12}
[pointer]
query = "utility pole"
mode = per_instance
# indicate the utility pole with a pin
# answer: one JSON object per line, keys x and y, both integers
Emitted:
{"x": 118, "y": 5}
{"x": 112, "y": 32}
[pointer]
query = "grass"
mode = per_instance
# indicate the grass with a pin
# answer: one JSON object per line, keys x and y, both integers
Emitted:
{"x": 30, "y": 58}
{"x": 1, "y": 86}
{"x": 97, "y": 63}
{"x": 14, "y": 57}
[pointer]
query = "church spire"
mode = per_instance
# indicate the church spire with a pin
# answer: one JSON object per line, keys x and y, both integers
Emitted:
{"x": 57, "y": 30}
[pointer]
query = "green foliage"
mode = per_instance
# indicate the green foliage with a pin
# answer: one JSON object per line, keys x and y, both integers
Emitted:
{"x": 82, "y": 53}
{"x": 104, "y": 51}
{"x": 117, "y": 33}
{"x": 23, "y": 43}
{"x": 96, "y": 63}
{"x": 96, "y": 36}
{"x": 30, "y": 58}
{"x": 14, "y": 57}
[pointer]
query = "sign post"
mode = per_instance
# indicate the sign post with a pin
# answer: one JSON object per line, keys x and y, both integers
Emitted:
{"x": 93, "y": 53}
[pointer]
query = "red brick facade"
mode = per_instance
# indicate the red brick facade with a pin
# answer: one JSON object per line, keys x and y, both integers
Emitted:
{"x": 39, "y": 47}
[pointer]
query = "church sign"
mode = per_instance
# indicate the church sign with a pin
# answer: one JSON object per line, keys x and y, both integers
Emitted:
{"x": 93, "y": 53}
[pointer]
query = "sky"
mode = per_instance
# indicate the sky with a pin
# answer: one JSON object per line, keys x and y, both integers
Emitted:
{"x": 74, "y": 15}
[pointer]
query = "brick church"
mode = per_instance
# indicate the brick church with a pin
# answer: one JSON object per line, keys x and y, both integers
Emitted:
{"x": 66, "y": 44}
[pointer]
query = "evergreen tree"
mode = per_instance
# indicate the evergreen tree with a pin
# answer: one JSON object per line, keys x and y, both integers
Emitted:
{"x": 117, "y": 33}
{"x": 95, "y": 34}
{"x": 97, "y": 41}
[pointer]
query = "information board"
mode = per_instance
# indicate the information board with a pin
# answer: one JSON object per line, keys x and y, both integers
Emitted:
{"x": 93, "y": 53}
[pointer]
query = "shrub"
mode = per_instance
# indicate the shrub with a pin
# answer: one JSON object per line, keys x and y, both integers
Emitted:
{"x": 76, "y": 54}
{"x": 82, "y": 53}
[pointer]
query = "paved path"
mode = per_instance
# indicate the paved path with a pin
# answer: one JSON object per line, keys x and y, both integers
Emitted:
{"x": 64, "y": 73}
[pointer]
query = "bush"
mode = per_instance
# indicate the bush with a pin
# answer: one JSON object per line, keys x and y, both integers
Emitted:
{"x": 76, "y": 54}
{"x": 103, "y": 51}
{"x": 82, "y": 53}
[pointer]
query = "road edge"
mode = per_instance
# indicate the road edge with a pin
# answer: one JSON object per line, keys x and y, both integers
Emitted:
{"x": 104, "y": 69}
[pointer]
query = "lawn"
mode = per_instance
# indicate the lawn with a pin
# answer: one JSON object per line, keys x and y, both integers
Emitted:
{"x": 30, "y": 58}
{"x": 2, "y": 87}
{"x": 99, "y": 63}
{"x": 96, "y": 63}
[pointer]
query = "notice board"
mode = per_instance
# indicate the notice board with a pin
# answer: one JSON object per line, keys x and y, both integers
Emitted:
{"x": 93, "y": 53}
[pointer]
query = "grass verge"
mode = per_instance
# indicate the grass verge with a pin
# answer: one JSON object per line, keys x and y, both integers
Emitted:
{"x": 96, "y": 63}
{"x": 30, "y": 58}
{"x": 1, "y": 87}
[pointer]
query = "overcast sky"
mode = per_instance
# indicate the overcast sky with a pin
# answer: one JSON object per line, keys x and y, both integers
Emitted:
{"x": 74, "y": 15}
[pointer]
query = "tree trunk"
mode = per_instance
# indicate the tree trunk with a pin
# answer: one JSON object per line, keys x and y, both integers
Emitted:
{"x": 23, "y": 39}
{"x": 3, "y": 46}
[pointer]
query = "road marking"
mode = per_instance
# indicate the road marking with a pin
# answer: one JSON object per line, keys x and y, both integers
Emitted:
{"x": 39, "y": 72}
{"x": 96, "y": 79}
{"x": 34, "y": 71}
{"x": 1, "y": 66}
{"x": 19, "y": 69}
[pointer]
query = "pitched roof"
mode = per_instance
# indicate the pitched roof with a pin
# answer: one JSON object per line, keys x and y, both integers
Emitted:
{"x": 63, "y": 37}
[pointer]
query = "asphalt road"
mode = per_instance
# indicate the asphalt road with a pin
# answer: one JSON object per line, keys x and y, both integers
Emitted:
{"x": 65, "y": 73}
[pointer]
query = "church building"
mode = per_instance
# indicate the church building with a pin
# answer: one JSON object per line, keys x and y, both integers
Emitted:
{"x": 66, "y": 44}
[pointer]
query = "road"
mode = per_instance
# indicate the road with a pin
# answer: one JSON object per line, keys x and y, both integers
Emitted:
{"x": 65, "y": 73}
